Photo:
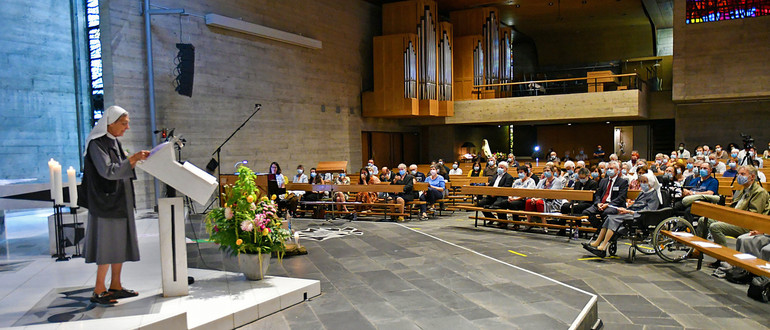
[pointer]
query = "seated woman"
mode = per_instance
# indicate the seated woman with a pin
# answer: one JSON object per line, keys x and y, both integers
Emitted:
{"x": 366, "y": 178}
{"x": 436, "y": 185}
{"x": 280, "y": 181}
{"x": 476, "y": 170}
{"x": 648, "y": 199}
{"x": 549, "y": 181}
{"x": 635, "y": 184}
{"x": 407, "y": 195}
{"x": 339, "y": 196}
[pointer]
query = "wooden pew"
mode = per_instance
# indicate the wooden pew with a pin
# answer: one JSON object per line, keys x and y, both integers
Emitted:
{"x": 388, "y": 208}
{"x": 745, "y": 219}
{"x": 573, "y": 222}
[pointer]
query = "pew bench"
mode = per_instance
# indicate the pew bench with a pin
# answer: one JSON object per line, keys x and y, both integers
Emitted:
{"x": 745, "y": 219}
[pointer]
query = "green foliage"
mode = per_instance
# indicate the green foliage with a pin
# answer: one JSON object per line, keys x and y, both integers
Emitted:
{"x": 246, "y": 224}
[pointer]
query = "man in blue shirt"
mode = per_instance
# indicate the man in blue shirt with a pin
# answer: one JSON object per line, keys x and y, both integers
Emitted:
{"x": 704, "y": 187}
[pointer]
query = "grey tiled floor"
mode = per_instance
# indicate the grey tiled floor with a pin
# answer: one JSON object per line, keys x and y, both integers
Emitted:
{"x": 393, "y": 277}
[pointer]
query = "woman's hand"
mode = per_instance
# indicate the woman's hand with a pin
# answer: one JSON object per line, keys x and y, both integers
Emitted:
{"x": 142, "y": 155}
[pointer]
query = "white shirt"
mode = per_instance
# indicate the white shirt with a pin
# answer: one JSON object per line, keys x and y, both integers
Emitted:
{"x": 497, "y": 181}
{"x": 721, "y": 167}
{"x": 299, "y": 178}
{"x": 762, "y": 177}
{"x": 456, "y": 171}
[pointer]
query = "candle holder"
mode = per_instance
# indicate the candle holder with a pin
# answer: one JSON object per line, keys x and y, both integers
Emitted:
{"x": 76, "y": 226}
{"x": 61, "y": 254}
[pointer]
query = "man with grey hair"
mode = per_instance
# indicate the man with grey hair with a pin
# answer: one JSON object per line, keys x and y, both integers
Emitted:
{"x": 500, "y": 179}
{"x": 611, "y": 194}
{"x": 419, "y": 176}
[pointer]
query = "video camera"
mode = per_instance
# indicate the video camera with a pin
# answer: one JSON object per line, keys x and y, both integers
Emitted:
{"x": 748, "y": 141}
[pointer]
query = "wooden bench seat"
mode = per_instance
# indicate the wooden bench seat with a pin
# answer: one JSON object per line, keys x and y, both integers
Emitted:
{"x": 745, "y": 219}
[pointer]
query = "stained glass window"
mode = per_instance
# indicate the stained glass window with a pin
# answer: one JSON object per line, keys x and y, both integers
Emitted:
{"x": 699, "y": 11}
{"x": 95, "y": 59}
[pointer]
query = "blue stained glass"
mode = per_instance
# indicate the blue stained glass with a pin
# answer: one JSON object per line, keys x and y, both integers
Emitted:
{"x": 97, "y": 92}
{"x": 97, "y": 83}
{"x": 98, "y": 114}
{"x": 96, "y": 48}
{"x": 94, "y": 34}
{"x": 96, "y": 69}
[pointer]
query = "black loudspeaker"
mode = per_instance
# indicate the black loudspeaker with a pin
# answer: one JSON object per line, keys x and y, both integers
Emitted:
{"x": 185, "y": 69}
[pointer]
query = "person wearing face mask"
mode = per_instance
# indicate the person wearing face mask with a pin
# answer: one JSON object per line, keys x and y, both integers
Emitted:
{"x": 703, "y": 184}
{"x": 512, "y": 161}
{"x": 611, "y": 194}
{"x": 553, "y": 158}
{"x": 752, "y": 198}
{"x": 720, "y": 153}
{"x": 581, "y": 155}
{"x": 441, "y": 167}
{"x": 583, "y": 182}
{"x": 752, "y": 156}
{"x": 706, "y": 151}
{"x": 419, "y": 176}
{"x": 436, "y": 186}
{"x": 372, "y": 168}
{"x": 313, "y": 196}
{"x": 599, "y": 153}
{"x": 339, "y": 196}
{"x": 550, "y": 180}
{"x": 293, "y": 196}
{"x": 625, "y": 172}
{"x": 500, "y": 179}
{"x": 569, "y": 177}
{"x": 732, "y": 169}
{"x": 688, "y": 170}
{"x": 720, "y": 167}
{"x": 456, "y": 170}
{"x": 524, "y": 181}
{"x": 632, "y": 162}
{"x": 365, "y": 178}
{"x": 681, "y": 152}
{"x": 404, "y": 178}
{"x": 635, "y": 184}
{"x": 491, "y": 168}
{"x": 476, "y": 170}
{"x": 596, "y": 174}
{"x": 648, "y": 199}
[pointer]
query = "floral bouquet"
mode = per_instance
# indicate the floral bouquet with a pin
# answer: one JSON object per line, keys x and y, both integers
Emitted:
{"x": 246, "y": 224}
{"x": 499, "y": 156}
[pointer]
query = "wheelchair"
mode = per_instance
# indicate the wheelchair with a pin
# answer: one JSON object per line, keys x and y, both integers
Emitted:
{"x": 645, "y": 234}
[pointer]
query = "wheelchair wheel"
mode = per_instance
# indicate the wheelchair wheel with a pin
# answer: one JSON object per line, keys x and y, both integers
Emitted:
{"x": 666, "y": 247}
{"x": 631, "y": 255}
{"x": 612, "y": 248}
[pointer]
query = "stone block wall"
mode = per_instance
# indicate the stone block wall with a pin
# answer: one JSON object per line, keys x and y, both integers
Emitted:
{"x": 37, "y": 100}
{"x": 311, "y": 104}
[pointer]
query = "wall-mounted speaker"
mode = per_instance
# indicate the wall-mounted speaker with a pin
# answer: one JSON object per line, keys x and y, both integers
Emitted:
{"x": 185, "y": 69}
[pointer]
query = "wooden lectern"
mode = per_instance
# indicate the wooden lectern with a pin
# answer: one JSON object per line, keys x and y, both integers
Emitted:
{"x": 265, "y": 183}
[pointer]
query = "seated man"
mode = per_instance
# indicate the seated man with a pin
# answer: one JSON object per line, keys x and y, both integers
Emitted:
{"x": 501, "y": 179}
{"x": 731, "y": 171}
{"x": 512, "y": 161}
{"x": 372, "y": 168}
{"x": 419, "y": 176}
{"x": 568, "y": 178}
{"x": 491, "y": 168}
{"x": 583, "y": 183}
{"x": 704, "y": 187}
{"x": 408, "y": 194}
{"x": 752, "y": 198}
{"x": 386, "y": 175}
{"x": 612, "y": 191}
{"x": 550, "y": 180}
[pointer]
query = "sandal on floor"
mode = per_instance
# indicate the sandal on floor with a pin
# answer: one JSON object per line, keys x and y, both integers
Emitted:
{"x": 104, "y": 298}
{"x": 123, "y": 293}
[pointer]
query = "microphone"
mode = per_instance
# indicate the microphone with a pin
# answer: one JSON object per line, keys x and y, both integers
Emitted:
{"x": 257, "y": 106}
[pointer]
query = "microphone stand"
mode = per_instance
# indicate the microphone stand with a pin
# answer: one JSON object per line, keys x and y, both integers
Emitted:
{"x": 219, "y": 165}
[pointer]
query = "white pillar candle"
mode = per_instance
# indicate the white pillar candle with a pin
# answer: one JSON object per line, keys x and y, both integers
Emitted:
{"x": 51, "y": 164}
{"x": 58, "y": 194}
{"x": 296, "y": 238}
{"x": 72, "y": 183}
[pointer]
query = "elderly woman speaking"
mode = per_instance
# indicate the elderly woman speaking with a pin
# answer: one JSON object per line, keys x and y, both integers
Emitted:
{"x": 107, "y": 179}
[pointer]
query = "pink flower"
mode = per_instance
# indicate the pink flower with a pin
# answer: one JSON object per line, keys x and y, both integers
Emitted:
{"x": 216, "y": 229}
{"x": 228, "y": 213}
{"x": 247, "y": 225}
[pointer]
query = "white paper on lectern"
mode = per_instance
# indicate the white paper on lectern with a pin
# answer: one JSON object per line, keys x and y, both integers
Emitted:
{"x": 188, "y": 179}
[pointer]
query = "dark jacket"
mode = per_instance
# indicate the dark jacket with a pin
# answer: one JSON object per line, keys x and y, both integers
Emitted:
{"x": 589, "y": 185}
{"x": 506, "y": 181}
{"x": 618, "y": 194}
{"x": 106, "y": 196}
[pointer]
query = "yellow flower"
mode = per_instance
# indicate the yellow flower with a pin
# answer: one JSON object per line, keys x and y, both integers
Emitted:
{"x": 273, "y": 197}
{"x": 250, "y": 199}
{"x": 239, "y": 242}
{"x": 265, "y": 232}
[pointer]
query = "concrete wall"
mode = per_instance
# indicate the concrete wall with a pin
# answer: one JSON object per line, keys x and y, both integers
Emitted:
{"x": 720, "y": 60}
{"x": 593, "y": 44}
{"x": 311, "y": 107}
{"x": 37, "y": 100}
{"x": 712, "y": 123}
